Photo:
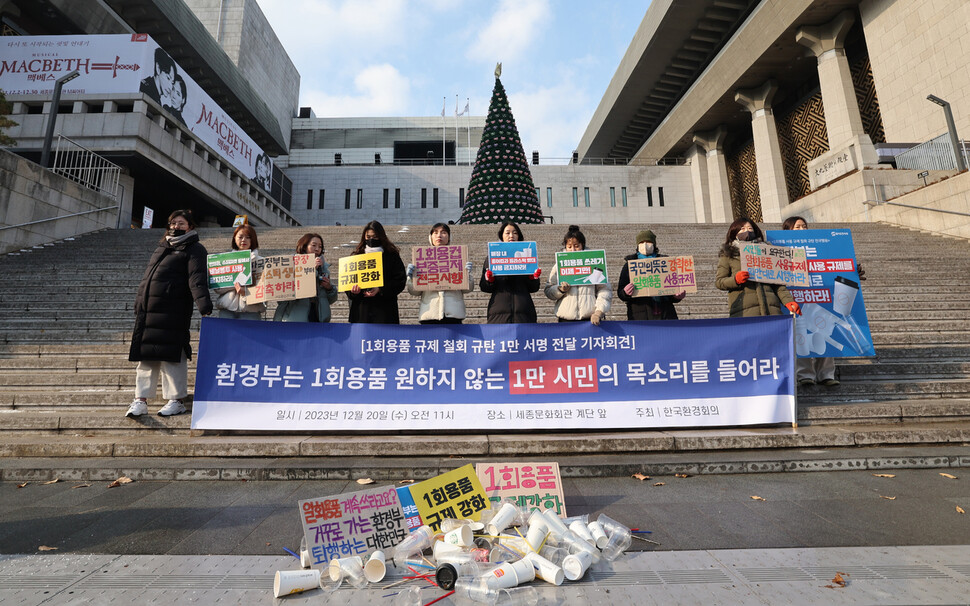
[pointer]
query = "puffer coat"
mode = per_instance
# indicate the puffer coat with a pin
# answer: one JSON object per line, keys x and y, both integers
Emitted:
{"x": 511, "y": 300}
{"x": 644, "y": 308}
{"x": 580, "y": 301}
{"x": 751, "y": 298}
{"x": 382, "y": 307}
{"x": 176, "y": 278}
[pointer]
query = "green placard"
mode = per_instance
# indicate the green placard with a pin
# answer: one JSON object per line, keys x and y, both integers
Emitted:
{"x": 225, "y": 267}
{"x": 582, "y": 268}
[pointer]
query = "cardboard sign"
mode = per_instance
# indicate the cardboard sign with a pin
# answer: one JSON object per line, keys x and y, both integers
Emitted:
{"x": 581, "y": 268}
{"x": 658, "y": 276}
{"x": 774, "y": 264}
{"x": 283, "y": 278}
{"x": 530, "y": 484}
{"x": 352, "y": 524}
{"x": 147, "y": 216}
{"x": 366, "y": 271}
{"x": 440, "y": 267}
{"x": 513, "y": 258}
{"x": 240, "y": 220}
{"x": 456, "y": 494}
{"x": 226, "y": 269}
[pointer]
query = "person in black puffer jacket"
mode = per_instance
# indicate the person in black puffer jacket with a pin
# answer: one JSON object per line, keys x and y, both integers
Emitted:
{"x": 378, "y": 305}
{"x": 645, "y": 308}
{"x": 176, "y": 278}
{"x": 511, "y": 300}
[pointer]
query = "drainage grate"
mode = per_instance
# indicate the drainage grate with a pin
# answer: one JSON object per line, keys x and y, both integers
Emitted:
{"x": 688, "y": 577}
{"x": 963, "y": 569}
{"x": 910, "y": 572}
{"x": 770, "y": 575}
{"x": 614, "y": 578}
{"x": 23, "y": 581}
{"x": 856, "y": 573}
{"x": 242, "y": 582}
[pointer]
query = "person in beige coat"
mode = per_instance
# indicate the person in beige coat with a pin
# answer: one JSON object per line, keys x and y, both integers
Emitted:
{"x": 440, "y": 306}
{"x": 576, "y": 303}
{"x": 230, "y": 301}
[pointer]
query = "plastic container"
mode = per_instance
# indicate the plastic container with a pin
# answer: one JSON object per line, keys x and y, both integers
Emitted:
{"x": 618, "y": 543}
{"x": 518, "y": 596}
{"x": 610, "y": 525}
{"x": 474, "y": 589}
{"x": 416, "y": 542}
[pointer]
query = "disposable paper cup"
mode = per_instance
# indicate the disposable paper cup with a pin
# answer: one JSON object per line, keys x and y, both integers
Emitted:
{"x": 537, "y": 533}
{"x": 502, "y": 518}
{"x": 546, "y": 570}
{"x": 288, "y": 582}
{"x": 583, "y": 532}
{"x": 525, "y": 572}
{"x": 556, "y": 524}
{"x": 575, "y": 566}
{"x": 598, "y": 534}
{"x": 461, "y": 536}
{"x": 441, "y": 548}
{"x": 375, "y": 568}
{"x": 304, "y": 554}
{"x": 508, "y": 574}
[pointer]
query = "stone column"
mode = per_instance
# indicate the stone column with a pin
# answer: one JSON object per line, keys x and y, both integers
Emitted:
{"x": 719, "y": 191}
{"x": 767, "y": 150}
{"x": 850, "y": 147}
{"x": 697, "y": 157}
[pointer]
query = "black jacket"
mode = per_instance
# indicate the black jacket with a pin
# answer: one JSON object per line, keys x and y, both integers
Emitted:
{"x": 382, "y": 307}
{"x": 175, "y": 278}
{"x": 511, "y": 300}
{"x": 644, "y": 308}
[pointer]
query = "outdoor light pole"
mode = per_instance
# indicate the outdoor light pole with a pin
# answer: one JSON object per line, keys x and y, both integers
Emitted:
{"x": 52, "y": 117}
{"x": 951, "y": 127}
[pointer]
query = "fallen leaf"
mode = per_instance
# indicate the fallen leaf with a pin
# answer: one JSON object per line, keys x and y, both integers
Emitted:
{"x": 120, "y": 481}
{"x": 81, "y": 486}
{"x": 640, "y": 476}
{"x": 884, "y": 475}
{"x": 659, "y": 484}
{"x": 681, "y": 475}
{"x": 268, "y": 544}
{"x": 960, "y": 509}
{"x": 54, "y": 481}
{"x": 946, "y": 475}
{"x": 838, "y": 580}
{"x": 887, "y": 498}
{"x": 755, "y": 497}
{"x": 406, "y": 482}
{"x": 46, "y": 548}
{"x": 365, "y": 481}
{"x": 22, "y": 485}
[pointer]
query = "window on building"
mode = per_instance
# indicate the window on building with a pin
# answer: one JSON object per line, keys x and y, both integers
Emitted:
{"x": 386, "y": 197}
{"x": 613, "y": 197}
{"x": 461, "y": 197}
{"x": 660, "y": 196}
{"x": 434, "y": 198}
{"x": 649, "y": 196}
{"x": 347, "y": 199}
{"x": 586, "y": 196}
{"x": 623, "y": 195}
{"x": 309, "y": 199}
{"x": 424, "y": 197}
{"x": 360, "y": 199}
{"x": 397, "y": 197}
{"x": 539, "y": 194}
{"x": 549, "y": 197}
{"x": 321, "y": 195}
{"x": 575, "y": 197}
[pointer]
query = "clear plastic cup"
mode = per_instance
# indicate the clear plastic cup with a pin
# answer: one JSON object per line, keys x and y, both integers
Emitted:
{"x": 583, "y": 518}
{"x": 610, "y": 525}
{"x": 411, "y": 596}
{"x": 554, "y": 554}
{"x": 575, "y": 543}
{"x": 449, "y": 524}
{"x": 351, "y": 569}
{"x": 518, "y": 596}
{"x": 618, "y": 543}
{"x": 475, "y": 589}
{"x": 304, "y": 554}
{"x": 416, "y": 542}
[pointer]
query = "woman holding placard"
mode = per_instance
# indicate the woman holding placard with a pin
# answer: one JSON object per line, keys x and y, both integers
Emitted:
{"x": 313, "y": 309}
{"x": 578, "y": 302}
{"x": 440, "y": 306}
{"x": 378, "y": 305}
{"x": 231, "y": 300}
{"x": 511, "y": 300}
{"x": 746, "y": 297}
{"x": 645, "y": 308}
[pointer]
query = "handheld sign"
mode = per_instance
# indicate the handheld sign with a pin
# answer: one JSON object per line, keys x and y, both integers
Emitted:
{"x": 283, "y": 278}
{"x": 513, "y": 258}
{"x": 774, "y": 264}
{"x": 226, "y": 269}
{"x": 581, "y": 268}
{"x": 352, "y": 524}
{"x": 366, "y": 271}
{"x": 455, "y": 494}
{"x": 530, "y": 484}
{"x": 240, "y": 220}
{"x": 440, "y": 267}
{"x": 658, "y": 276}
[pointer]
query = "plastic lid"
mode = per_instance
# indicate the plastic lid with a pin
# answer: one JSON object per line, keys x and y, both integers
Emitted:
{"x": 445, "y": 576}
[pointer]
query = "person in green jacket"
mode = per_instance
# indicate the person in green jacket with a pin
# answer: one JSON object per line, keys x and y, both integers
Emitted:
{"x": 746, "y": 297}
{"x": 313, "y": 309}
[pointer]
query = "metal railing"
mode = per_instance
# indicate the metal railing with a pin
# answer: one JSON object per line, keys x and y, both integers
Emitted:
{"x": 85, "y": 212}
{"x": 935, "y": 154}
{"x": 85, "y": 167}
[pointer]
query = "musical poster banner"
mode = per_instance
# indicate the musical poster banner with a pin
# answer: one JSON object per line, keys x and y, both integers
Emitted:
{"x": 582, "y": 267}
{"x": 369, "y": 377}
{"x": 833, "y": 323}
{"x": 513, "y": 258}
{"x": 440, "y": 267}
{"x": 658, "y": 276}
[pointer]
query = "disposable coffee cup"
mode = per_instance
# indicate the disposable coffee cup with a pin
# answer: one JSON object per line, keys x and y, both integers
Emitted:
{"x": 288, "y": 582}
{"x": 350, "y": 569}
{"x": 376, "y": 567}
{"x": 575, "y": 566}
{"x": 525, "y": 572}
{"x": 556, "y": 524}
{"x": 506, "y": 575}
{"x": 502, "y": 518}
{"x": 583, "y": 532}
{"x": 598, "y": 534}
{"x": 546, "y": 570}
{"x": 843, "y": 296}
{"x": 304, "y": 554}
{"x": 461, "y": 536}
{"x": 538, "y": 529}
{"x": 445, "y": 576}
{"x": 441, "y": 548}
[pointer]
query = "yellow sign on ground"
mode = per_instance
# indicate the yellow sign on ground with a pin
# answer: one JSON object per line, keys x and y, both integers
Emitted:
{"x": 365, "y": 271}
{"x": 456, "y": 494}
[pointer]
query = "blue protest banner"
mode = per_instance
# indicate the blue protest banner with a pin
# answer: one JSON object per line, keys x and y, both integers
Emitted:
{"x": 833, "y": 321}
{"x": 513, "y": 258}
{"x": 279, "y": 376}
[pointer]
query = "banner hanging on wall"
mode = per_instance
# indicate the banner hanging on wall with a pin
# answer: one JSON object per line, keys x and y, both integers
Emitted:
{"x": 334, "y": 377}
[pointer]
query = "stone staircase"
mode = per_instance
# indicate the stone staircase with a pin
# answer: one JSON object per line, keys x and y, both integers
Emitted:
{"x": 66, "y": 316}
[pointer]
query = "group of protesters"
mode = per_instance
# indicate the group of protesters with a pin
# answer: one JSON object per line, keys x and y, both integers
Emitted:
{"x": 176, "y": 280}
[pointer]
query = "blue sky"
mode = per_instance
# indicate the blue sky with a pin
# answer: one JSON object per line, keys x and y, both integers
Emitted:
{"x": 400, "y": 57}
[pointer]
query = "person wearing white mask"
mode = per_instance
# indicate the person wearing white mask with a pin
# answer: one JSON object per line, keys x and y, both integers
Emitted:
{"x": 440, "y": 306}
{"x": 581, "y": 302}
{"x": 645, "y": 308}
{"x": 378, "y": 305}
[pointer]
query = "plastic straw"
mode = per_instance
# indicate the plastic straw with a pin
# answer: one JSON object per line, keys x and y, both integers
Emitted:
{"x": 291, "y": 553}
{"x": 439, "y": 599}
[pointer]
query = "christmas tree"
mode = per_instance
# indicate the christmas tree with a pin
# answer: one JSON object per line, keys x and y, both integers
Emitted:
{"x": 501, "y": 186}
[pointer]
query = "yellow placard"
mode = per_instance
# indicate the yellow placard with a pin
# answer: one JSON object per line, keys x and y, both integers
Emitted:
{"x": 456, "y": 494}
{"x": 366, "y": 271}
{"x": 240, "y": 220}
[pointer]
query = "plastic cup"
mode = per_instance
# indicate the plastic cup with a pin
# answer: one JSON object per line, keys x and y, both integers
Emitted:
{"x": 598, "y": 534}
{"x": 449, "y": 524}
{"x": 554, "y": 554}
{"x": 304, "y": 554}
{"x": 611, "y": 525}
{"x": 440, "y": 548}
{"x": 461, "y": 536}
{"x": 583, "y": 518}
{"x": 376, "y": 567}
{"x": 503, "y": 518}
{"x": 510, "y": 574}
{"x": 410, "y": 596}
{"x": 546, "y": 570}
{"x": 350, "y": 569}
{"x": 287, "y": 582}
{"x": 618, "y": 543}
{"x": 574, "y": 566}
{"x": 518, "y": 596}
{"x": 575, "y": 544}
{"x": 475, "y": 590}
{"x": 416, "y": 542}
{"x": 579, "y": 528}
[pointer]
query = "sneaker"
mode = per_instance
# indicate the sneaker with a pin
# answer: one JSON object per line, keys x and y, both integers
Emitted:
{"x": 137, "y": 408}
{"x": 831, "y": 382}
{"x": 174, "y": 407}
{"x": 805, "y": 382}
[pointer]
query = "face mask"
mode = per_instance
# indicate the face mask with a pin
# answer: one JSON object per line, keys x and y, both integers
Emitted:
{"x": 645, "y": 248}
{"x": 175, "y": 233}
{"x": 373, "y": 242}
{"x": 747, "y": 236}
